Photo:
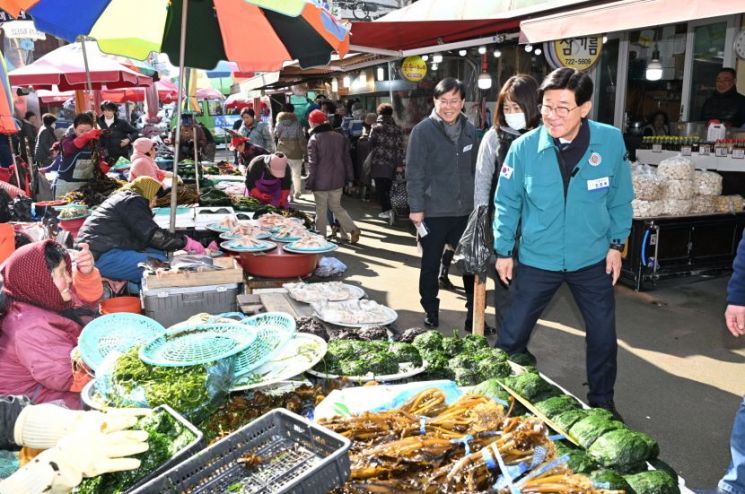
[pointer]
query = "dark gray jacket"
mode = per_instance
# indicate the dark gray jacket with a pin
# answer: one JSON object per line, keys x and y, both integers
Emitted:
{"x": 439, "y": 173}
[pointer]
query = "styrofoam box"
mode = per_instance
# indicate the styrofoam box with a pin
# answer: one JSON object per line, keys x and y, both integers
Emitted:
{"x": 170, "y": 306}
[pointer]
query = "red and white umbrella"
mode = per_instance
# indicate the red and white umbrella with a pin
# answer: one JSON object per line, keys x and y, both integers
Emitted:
{"x": 65, "y": 68}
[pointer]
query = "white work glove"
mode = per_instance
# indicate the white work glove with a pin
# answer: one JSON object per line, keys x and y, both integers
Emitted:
{"x": 42, "y": 426}
{"x": 88, "y": 452}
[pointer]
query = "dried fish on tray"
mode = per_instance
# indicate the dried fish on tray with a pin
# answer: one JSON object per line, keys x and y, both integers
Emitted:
{"x": 333, "y": 291}
{"x": 355, "y": 313}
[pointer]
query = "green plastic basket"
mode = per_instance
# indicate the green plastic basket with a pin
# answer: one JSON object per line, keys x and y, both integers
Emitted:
{"x": 119, "y": 331}
{"x": 194, "y": 344}
{"x": 274, "y": 329}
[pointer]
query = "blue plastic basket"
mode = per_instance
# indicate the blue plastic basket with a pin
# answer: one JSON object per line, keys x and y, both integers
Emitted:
{"x": 274, "y": 330}
{"x": 115, "y": 332}
{"x": 194, "y": 344}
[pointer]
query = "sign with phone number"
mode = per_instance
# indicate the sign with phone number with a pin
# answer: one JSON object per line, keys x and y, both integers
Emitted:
{"x": 575, "y": 53}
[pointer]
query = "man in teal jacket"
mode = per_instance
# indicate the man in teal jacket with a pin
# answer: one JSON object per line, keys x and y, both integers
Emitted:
{"x": 568, "y": 184}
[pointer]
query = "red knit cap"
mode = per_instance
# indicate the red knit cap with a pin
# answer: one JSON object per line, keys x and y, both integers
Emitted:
{"x": 27, "y": 278}
{"x": 317, "y": 117}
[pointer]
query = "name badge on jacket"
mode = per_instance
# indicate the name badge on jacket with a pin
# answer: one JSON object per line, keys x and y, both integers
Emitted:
{"x": 598, "y": 183}
{"x": 467, "y": 148}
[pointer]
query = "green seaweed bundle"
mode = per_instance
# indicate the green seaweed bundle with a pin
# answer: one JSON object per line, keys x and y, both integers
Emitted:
{"x": 551, "y": 407}
{"x": 590, "y": 428}
{"x": 609, "y": 480}
{"x": 622, "y": 449}
{"x": 652, "y": 482}
{"x": 567, "y": 419}
{"x": 578, "y": 460}
{"x": 532, "y": 386}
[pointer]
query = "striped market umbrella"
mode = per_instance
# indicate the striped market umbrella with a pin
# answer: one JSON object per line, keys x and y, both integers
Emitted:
{"x": 259, "y": 35}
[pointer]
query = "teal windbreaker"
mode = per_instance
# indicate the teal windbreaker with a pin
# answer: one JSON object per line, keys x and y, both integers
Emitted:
{"x": 558, "y": 233}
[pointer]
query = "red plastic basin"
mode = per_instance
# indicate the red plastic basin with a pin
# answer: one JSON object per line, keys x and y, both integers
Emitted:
{"x": 278, "y": 264}
{"x": 121, "y": 304}
{"x": 72, "y": 226}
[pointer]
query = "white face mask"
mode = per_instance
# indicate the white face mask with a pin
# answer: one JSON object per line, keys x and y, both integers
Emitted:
{"x": 515, "y": 121}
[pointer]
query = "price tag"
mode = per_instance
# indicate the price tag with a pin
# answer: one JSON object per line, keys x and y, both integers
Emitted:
{"x": 720, "y": 152}
{"x": 685, "y": 150}
{"x": 704, "y": 149}
{"x": 657, "y": 147}
{"x": 738, "y": 153}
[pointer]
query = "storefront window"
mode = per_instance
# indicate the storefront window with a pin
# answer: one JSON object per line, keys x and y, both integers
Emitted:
{"x": 605, "y": 82}
{"x": 708, "y": 58}
{"x": 648, "y": 95}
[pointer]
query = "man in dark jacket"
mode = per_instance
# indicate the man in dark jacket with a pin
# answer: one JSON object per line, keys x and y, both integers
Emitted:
{"x": 118, "y": 134}
{"x": 329, "y": 169}
{"x": 28, "y": 136}
{"x": 44, "y": 140}
{"x": 726, "y": 104}
{"x": 121, "y": 232}
{"x": 734, "y": 480}
{"x": 440, "y": 166}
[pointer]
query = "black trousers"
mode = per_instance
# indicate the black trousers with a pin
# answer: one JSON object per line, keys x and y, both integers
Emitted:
{"x": 445, "y": 230}
{"x": 383, "y": 191}
{"x": 592, "y": 290}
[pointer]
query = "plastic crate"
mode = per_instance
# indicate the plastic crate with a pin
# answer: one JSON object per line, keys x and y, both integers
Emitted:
{"x": 170, "y": 306}
{"x": 314, "y": 461}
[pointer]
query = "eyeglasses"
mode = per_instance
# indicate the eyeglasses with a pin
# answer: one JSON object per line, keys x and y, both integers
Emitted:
{"x": 452, "y": 102}
{"x": 559, "y": 111}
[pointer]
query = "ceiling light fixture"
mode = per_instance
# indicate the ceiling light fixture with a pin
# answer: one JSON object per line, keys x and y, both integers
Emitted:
{"x": 437, "y": 58}
{"x": 482, "y": 50}
{"x": 528, "y": 47}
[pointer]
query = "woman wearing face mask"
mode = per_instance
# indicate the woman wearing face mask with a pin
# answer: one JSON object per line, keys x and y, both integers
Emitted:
{"x": 516, "y": 113}
{"x": 47, "y": 302}
{"x": 143, "y": 161}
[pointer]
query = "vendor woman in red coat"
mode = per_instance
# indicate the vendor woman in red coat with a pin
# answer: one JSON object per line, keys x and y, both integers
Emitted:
{"x": 48, "y": 298}
{"x": 269, "y": 180}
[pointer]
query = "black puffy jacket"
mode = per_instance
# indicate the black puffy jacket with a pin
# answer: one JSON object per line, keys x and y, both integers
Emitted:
{"x": 112, "y": 137}
{"x": 125, "y": 221}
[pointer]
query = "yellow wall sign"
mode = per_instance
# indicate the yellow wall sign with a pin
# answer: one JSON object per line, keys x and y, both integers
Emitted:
{"x": 414, "y": 68}
{"x": 575, "y": 53}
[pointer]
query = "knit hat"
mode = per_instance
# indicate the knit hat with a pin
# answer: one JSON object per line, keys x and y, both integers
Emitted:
{"x": 277, "y": 165}
{"x": 147, "y": 187}
{"x": 27, "y": 278}
{"x": 317, "y": 117}
{"x": 143, "y": 145}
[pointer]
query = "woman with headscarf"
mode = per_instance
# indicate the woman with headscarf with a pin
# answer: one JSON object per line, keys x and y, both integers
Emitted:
{"x": 47, "y": 302}
{"x": 121, "y": 232}
{"x": 268, "y": 180}
{"x": 143, "y": 161}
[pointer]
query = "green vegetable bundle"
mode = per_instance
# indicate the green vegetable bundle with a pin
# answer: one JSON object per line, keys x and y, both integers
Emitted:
{"x": 578, "y": 460}
{"x": 194, "y": 391}
{"x": 590, "y": 428}
{"x": 469, "y": 359}
{"x": 166, "y": 437}
{"x": 652, "y": 482}
{"x": 532, "y": 387}
{"x": 360, "y": 357}
{"x": 623, "y": 450}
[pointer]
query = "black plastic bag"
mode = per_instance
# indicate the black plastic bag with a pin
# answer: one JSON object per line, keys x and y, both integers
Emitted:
{"x": 475, "y": 247}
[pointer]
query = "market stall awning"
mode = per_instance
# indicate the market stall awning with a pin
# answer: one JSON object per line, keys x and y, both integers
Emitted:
{"x": 433, "y": 22}
{"x": 622, "y": 16}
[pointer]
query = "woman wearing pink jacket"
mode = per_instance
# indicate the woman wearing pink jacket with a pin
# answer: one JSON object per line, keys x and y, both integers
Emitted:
{"x": 47, "y": 301}
{"x": 143, "y": 161}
